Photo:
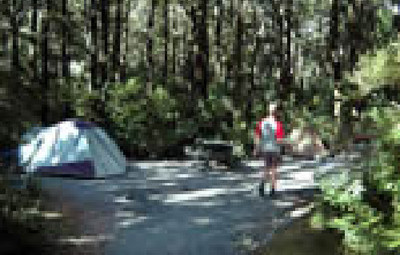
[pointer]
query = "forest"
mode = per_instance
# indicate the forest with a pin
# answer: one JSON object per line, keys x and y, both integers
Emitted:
{"x": 158, "y": 74}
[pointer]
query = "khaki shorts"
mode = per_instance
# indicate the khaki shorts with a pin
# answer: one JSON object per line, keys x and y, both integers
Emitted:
{"x": 271, "y": 158}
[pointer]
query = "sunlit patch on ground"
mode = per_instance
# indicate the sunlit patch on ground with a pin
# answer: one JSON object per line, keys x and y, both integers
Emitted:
{"x": 204, "y": 204}
{"x": 125, "y": 214}
{"x": 81, "y": 240}
{"x": 121, "y": 199}
{"x": 125, "y": 223}
{"x": 193, "y": 195}
{"x": 169, "y": 184}
{"x": 282, "y": 204}
{"x": 202, "y": 221}
{"x": 300, "y": 212}
{"x": 51, "y": 215}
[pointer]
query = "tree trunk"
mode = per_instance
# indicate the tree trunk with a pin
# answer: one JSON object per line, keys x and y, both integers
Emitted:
{"x": 229, "y": 64}
{"x": 238, "y": 90}
{"x": 150, "y": 73}
{"x": 281, "y": 55}
{"x": 65, "y": 57}
{"x": 104, "y": 63}
{"x": 286, "y": 75}
{"x": 93, "y": 45}
{"x": 204, "y": 49}
{"x": 123, "y": 73}
{"x": 334, "y": 40}
{"x": 358, "y": 39}
{"x": 218, "y": 39}
{"x": 201, "y": 54}
{"x": 166, "y": 27}
{"x": 104, "y": 55}
{"x": 45, "y": 71}
{"x": 190, "y": 54}
{"x": 117, "y": 42}
{"x": 219, "y": 23}
{"x": 332, "y": 54}
{"x": 173, "y": 50}
{"x": 66, "y": 111}
{"x": 88, "y": 47}
{"x": 15, "y": 39}
{"x": 34, "y": 25}
{"x": 253, "y": 65}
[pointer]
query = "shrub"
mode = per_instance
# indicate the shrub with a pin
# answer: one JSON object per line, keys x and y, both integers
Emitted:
{"x": 149, "y": 123}
{"x": 365, "y": 206}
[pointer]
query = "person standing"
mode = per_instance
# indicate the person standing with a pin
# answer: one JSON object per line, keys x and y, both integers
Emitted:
{"x": 268, "y": 136}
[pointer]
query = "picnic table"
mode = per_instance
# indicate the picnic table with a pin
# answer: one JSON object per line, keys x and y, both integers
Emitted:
{"x": 214, "y": 151}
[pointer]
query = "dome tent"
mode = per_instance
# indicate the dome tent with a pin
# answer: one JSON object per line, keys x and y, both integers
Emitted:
{"x": 73, "y": 148}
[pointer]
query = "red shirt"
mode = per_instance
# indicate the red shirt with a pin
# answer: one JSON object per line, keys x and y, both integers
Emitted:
{"x": 280, "y": 133}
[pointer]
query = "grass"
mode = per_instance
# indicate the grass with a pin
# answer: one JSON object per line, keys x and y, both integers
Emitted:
{"x": 300, "y": 239}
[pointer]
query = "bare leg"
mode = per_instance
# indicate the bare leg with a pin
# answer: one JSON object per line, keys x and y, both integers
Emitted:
{"x": 273, "y": 177}
{"x": 273, "y": 173}
{"x": 263, "y": 180}
{"x": 269, "y": 174}
{"x": 266, "y": 175}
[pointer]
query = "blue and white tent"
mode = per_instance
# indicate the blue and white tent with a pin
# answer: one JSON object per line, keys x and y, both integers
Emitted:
{"x": 74, "y": 148}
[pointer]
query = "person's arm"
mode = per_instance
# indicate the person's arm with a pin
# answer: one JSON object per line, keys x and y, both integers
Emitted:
{"x": 280, "y": 133}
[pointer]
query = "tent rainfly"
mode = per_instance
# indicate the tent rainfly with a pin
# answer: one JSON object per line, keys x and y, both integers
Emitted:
{"x": 72, "y": 148}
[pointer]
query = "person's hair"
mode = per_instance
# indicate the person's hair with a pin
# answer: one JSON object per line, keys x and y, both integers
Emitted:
{"x": 272, "y": 108}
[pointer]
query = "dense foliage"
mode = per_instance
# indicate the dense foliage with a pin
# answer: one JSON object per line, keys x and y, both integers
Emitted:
{"x": 212, "y": 65}
{"x": 159, "y": 74}
{"x": 363, "y": 203}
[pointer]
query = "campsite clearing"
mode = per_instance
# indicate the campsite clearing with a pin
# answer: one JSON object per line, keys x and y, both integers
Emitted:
{"x": 175, "y": 208}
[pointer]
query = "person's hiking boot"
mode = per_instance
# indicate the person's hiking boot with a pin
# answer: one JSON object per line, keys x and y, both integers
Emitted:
{"x": 261, "y": 189}
{"x": 272, "y": 192}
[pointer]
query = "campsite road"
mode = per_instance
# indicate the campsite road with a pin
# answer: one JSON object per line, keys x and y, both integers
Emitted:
{"x": 176, "y": 208}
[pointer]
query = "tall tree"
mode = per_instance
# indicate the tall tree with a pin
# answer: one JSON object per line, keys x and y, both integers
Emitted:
{"x": 15, "y": 36}
{"x": 201, "y": 73}
{"x": 238, "y": 89}
{"x": 117, "y": 41}
{"x": 123, "y": 72}
{"x": 34, "y": 29}
{"x": 45, "y": 63}
{"x": 166, "y": 33}
{"x": 333, "y": 47}
{"x": 149, "y": 50}
{"x": 286, "y": 81}
{"x": 65, "y": 57}
{"x": 105, "y": 30}
{"x": 93, "y": 44}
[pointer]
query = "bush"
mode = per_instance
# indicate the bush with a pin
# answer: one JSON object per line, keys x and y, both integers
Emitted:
{"x": 322, "y": 124}
{"x": 365, "y": 206}
{"x": 151, "y": 124}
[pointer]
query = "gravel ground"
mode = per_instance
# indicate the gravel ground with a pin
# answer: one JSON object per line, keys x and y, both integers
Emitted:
{"x": 170, "y": 207}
